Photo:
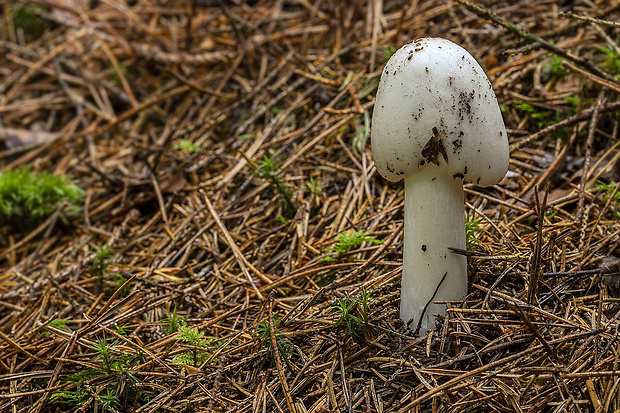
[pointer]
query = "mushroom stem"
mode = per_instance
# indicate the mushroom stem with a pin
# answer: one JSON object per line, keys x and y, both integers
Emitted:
{"x": 434, "y": 221}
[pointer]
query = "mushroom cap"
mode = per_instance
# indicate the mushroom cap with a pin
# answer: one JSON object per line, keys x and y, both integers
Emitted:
{"x": 435, "y": 107}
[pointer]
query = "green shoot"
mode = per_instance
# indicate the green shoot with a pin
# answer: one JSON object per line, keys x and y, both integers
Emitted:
{"x": 26, "y": 198}
{"x": 119, "y": 388}
{"x": 58, "y": 324}
{"x": 109, "y": 399}
{"x": 29, "y": 21}
{"x": 608, "y": 189}
{"x": 352, "y": 314}
{"x": 268, "y": 170}
{"x": 346, "y": 241}
{"x": 275, "y": 110}
{"x": 100, "y": 266}
{"x": 76, "y": 397}
{"x": 104, "y": 353}
{"x": 201, "y": 346}
{"x": 385, "y": 54}
{"x": 173, "y": 320}
{"x": 125, "y": 387}
{"x": 554, "y": 67}
{"x": 100, "y": 263}
{"x": 315, "y": 189}
{"x": 282, "y": 341}
{"x": 543, "y": 118}
{"x": 574, "y": 101}
{"x": 118, "y": 283}
{"x": 365, "y": 303}
{"x": 83, "y": 375}
{"x": 121, "y": 382}
{"x": 196, "y": 339}
{"x": 609, "y": 61}
{"x": 471, "y": 227}
{"x": 117, "y": 78}
{"x": 120, "y": 329}
{"x": 187, "y": 146}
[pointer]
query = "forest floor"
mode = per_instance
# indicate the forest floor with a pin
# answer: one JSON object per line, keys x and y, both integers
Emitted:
{"x": 233, "y": 247}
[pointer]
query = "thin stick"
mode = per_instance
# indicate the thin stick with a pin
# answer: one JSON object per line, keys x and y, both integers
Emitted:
{"x": 521, "y": 32}
{"x": 588, "y": 154}
{"x": 276, "y": 356}
{"x": 243, "y": 263}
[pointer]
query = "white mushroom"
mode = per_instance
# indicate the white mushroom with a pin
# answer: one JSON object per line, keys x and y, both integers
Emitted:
{"x": 436, "y": 122}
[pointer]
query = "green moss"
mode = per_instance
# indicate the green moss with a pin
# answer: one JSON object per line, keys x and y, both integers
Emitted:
{"x": 187, "y": 146}
{"x": 30, "y": 22}
{"x": 27, "y": 198}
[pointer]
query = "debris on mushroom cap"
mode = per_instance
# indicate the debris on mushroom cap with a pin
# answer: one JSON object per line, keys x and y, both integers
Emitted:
{"x": 435, "y": 106}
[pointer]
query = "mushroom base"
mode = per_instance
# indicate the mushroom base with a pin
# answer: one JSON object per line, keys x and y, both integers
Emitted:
{"x": 434, "y": 222}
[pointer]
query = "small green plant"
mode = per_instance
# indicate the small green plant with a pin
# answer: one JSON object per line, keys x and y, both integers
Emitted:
{"x": 123, "y": 70}
{"x": 26, "y": 18}
{"x": 100, "y": 265}
{"x": 173, "y": 322}
{"x": 75, "y": 397}
{"x": 201, "y": 347}
{"x": 346, "y": 241}
{"x": 109, "y": 399}
{"x": 263, "y": 330}
{"x": 78, "y": 396}
{"x": 83, "y": 375}
{"x": 385, "y": 54}
{"x": 104, "y": 353}
{"x": 119, "y": 390}
{"x": 542, "y": 117}
{"x": 608, "y": 189}
{"x": 365, "y": 303}
{"x": 275, "y": 110}
{"x": 118, "y": 283}
{"x": 352, "y": 313}
{"x": 58, "y": 324}
{"x": 315, "y": 189}
{"x": 196, "y": 339}
{"x": 26, "y": 198}
{"x": 554, "y": 67}
{"x": 268, "y": 169}
{"x": 187, "y": 146}
{"x": 471, "y": 227}
{"x": 574, "y": 101}
{"x": 124, "y": 388}
{"x": 609, "y": 60}
{"x": 120, "y": 329}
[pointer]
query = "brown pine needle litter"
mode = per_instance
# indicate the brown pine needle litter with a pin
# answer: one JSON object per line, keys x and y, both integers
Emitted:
{"x": 235, "y": 249}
